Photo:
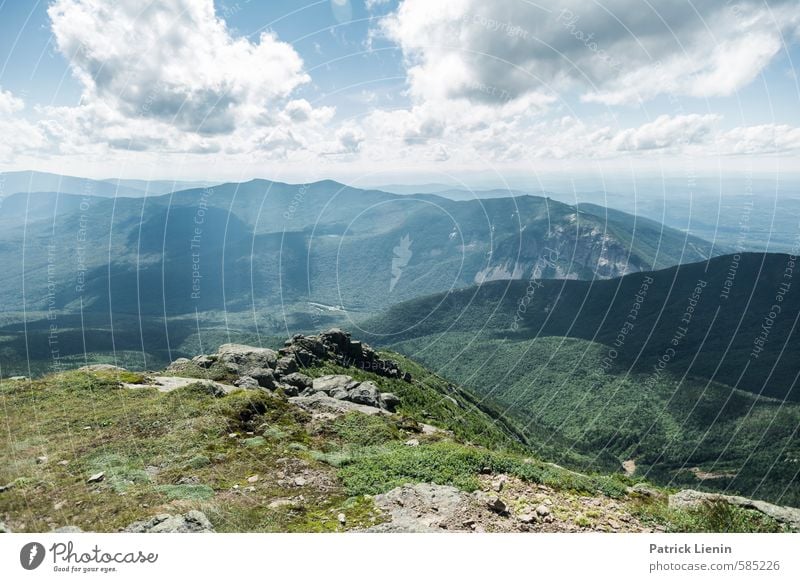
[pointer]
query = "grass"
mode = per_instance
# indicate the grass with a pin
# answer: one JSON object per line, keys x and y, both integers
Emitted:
{"x": 378, "y": 469}
{"x": 715, "y": 516}
{"x": 171, "y": 452}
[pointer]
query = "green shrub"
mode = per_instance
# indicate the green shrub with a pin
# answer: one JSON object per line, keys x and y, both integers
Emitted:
{"x": 364, "y": 429}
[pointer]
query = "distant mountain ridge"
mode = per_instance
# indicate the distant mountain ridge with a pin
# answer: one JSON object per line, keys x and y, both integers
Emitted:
{"x": 689, "y": 372}
{"x": 29, "y": 181}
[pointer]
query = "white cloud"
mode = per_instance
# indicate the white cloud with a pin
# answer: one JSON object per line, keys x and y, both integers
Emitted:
{"x": 761, "y": 139}
{"x": 618, "y": 51}
{"x": 17, "y": 134}
{"x": 9, "y": 104}
{"x": 665, "y": 132}
{"x": 169, "y": 75}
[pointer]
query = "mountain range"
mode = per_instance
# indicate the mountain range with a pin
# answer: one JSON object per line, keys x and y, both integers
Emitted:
{"x": 687, "y": 373}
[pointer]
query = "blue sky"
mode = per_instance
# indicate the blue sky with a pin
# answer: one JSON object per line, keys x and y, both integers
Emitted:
{"x": 346, "y": 88}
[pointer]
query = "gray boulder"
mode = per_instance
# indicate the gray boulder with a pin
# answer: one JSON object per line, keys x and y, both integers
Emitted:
{"x": 191, "y": 522}
{"x": 247, "y": 382}
{"x": 264, "y": 377}
{"x": 178, "y": 365}
{"x": 285, "y": 366}
{"x": 340, "y": 394}
{"x": 301, "y": 381}
{"x": 334, "y": 383}
{"x": 4, "y": 528}
{"x": 247, "y": 356}
{"x": 365, "y": 393}
{"x": 389, "y": 401}
{"x": 289, "y": 390}
{"x": 204, "y": 361}
{"x": 420, "y": 508}
{"x": 321, "y": 403}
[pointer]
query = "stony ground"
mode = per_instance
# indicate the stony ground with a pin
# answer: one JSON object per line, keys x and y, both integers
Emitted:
{"x": 502, "y": 504}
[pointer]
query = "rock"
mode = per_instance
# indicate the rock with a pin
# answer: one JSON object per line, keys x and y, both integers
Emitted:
{"x": 96, "y": 478}
{"x": 4, "y": 488}
{"x": 63, "y": 462}
{"x": 301, "y": 381}
{"x": 339, "y": 394}
{"x": 41, "y": 460}
{"x": 412, "y": 443}
{"x": 423, "y": 507}
{"x": 389, "y": 401}
{"x": 247, "y": 383}
{"x": 289, "y": 390}
{"x": 542, "y": 511}
{"x": 300, "y": 481}
{"x": 497, "y": 505}
{"x": 252, "y": 479}
{"x": 281, "y": 503}
{"x": 191, "y": 522}
{"x": 497, "y": 484}
{"x": 645, "y": 490}
{"x": 527, "y": 518}
{"x": 18, "y": 379}
{"x": 4, "y": 528}
{"x": 342, "y": 518}
{"x": 214, "y": 389}
{"x": 337, "y": 382}
{"x": 247, "y": 356}
{"x": 67, "y": 529}
{"x": 264, "y": 377}
{"x": 178, "y": 366}
{"x": 689, "y": 498}
{"x": 322, "y": 404}
{"x": 204, "y": 361}
{"x": 365, "y": 393}
{"x": 285, "y": 366}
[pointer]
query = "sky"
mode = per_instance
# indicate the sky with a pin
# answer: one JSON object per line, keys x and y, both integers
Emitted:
{"x": 376, "y": 91}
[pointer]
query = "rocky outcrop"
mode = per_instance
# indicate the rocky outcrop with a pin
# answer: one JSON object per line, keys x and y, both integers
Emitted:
{"x": 267, "y": 369}
{"x": 191, "y": 522}
{"x": 689, "y": 498}
{"x": 338, "y": 346}
{"x": 323, "y": 406}
{"x": 341, "y": 387}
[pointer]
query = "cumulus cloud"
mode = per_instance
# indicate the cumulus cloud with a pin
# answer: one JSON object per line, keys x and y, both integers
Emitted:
{"x": 169, "y": 75}
{"x": 9, "y": 103}
{"x": 17, "y": 134}
{"x": 173, "y": 61}
{"x": 665, "y": 132}
{"x": 618, "y": 51}
{"x": 761, "y": 139}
